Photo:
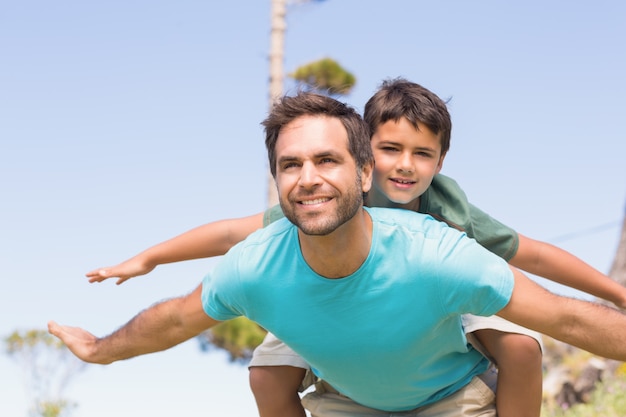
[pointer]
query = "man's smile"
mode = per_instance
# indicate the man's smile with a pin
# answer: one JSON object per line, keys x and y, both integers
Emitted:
{"x": 314, "y": 201}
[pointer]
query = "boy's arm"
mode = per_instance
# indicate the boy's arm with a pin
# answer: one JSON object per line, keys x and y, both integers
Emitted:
{"x": 157, "y": 328}
{"x": 447, "y": 201}
{"x": 595, "y": 328}
{"x": 212, "y": 239}
{"x": 551, "y": 262}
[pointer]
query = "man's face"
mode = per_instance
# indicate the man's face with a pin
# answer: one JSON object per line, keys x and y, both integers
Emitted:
{"x": 319, "y": 187}
{"x": 406, "y": 158}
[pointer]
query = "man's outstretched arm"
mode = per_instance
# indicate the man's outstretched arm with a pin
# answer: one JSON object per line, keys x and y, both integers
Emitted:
{"x": 593, "y": 327}
{"x": 160, "y": 327}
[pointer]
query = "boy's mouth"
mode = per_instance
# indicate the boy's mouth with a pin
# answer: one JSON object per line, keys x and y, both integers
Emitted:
{"x": 402, "y": 181}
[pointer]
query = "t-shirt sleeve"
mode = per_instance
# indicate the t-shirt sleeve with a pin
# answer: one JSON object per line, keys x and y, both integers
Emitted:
{"x": 222, "y": 294}
{"x": 493, "y": 235}
{"x": 446, "y": 201}
{"x": 472, "y": 279}
{"x": 272, "y": 214}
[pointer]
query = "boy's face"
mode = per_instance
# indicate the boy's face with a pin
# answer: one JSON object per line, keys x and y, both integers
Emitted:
{"x": 406, "y": 158}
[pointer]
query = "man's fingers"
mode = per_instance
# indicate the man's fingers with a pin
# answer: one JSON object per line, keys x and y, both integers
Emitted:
{"x": 53, "y": 328}
{"x": 63, "y": 332}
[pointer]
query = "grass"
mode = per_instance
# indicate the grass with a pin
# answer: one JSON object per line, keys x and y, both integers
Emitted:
{"x": 608, "y": 400}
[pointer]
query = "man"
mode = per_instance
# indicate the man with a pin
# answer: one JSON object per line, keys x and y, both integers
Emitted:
{"x": 371, "y": 298}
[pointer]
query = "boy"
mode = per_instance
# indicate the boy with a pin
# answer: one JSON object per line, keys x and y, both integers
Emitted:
{"x": 410, "y": 133}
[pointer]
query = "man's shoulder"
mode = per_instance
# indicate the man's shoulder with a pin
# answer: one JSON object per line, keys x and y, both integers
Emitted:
{"x": 260, "y": 247}
{"x": 276, "y": 229}
{"x": 406, "y": 219}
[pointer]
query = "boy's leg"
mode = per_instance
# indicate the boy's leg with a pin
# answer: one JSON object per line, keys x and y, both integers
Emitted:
{"x": 276, "y": 377}
{"x": 275, "y": 390}
{"x": 517, "y": 354}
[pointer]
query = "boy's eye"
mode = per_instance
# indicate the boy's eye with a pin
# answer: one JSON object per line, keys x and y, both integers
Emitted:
{"x": 389, "y": 149}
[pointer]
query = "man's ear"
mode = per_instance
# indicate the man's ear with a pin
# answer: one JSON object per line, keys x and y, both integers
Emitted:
{"x": 367, "y": 173}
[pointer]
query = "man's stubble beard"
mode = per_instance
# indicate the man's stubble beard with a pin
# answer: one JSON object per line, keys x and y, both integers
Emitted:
{"x": 347, "y": 207}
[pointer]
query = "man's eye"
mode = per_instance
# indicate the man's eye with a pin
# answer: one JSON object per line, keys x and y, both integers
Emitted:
{"x": 389, "y": 149}
{"x": 327, "y": 161}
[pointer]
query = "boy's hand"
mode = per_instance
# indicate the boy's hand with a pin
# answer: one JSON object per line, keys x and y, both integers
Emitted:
{"x": 127, "y": 269}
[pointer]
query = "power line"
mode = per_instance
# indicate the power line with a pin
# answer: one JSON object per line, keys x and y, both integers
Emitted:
{"x": 585, "y": 232}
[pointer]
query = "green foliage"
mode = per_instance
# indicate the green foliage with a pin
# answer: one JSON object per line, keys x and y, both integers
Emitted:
{"x": 16, "y": 343}
{"x": 48, "y": 365}
{"x": 325, "y": 75}
{"x": 51, "y": 408}
{"x": 608, "y": 400}
{"x": 238, "y": 337}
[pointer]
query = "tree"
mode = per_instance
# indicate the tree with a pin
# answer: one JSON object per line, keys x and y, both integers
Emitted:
{"x": 325, "y": 76}
{"x": 276, "y": 58}
{"x": 239, "y": 337}
{"x": 49, "y": 367}
{"x": 334, "y": 82}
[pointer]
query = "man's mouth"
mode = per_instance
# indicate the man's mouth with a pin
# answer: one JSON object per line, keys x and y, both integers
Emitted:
{"x": 315, "y": 201}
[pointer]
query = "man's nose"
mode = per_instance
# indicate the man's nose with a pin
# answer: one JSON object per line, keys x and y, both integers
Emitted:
{"x": 309, "y": 175}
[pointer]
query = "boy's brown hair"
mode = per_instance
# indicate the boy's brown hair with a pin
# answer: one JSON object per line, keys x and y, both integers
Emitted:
{"x": 399, "y": 98}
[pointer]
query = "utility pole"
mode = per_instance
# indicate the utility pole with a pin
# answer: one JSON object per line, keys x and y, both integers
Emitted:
{"x": 276, "y": 58}
{"x": 618, "y": 269}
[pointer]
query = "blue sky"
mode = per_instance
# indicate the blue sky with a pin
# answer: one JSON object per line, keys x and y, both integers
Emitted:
{"x": 125, "y": 123}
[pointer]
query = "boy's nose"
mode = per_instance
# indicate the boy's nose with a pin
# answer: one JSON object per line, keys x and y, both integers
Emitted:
{"x": 405, "y": 163}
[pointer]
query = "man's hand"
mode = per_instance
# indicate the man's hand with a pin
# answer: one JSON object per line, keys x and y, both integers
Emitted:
{"x": 157, "y": 328}
{"x": 123, "y": 271}
{"x": 80, "y": 342}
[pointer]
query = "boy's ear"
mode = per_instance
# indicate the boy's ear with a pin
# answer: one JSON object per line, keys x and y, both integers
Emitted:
{"x": 367, "y": 173}
{"x": 440, "y": 164}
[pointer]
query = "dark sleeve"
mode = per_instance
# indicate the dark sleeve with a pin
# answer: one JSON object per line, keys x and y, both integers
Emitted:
{"x": 446, "y": 201}
{"x": 272, "y": 214}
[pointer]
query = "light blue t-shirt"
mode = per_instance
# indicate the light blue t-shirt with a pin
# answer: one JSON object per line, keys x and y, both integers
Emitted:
{"x": 389, "y": 336}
